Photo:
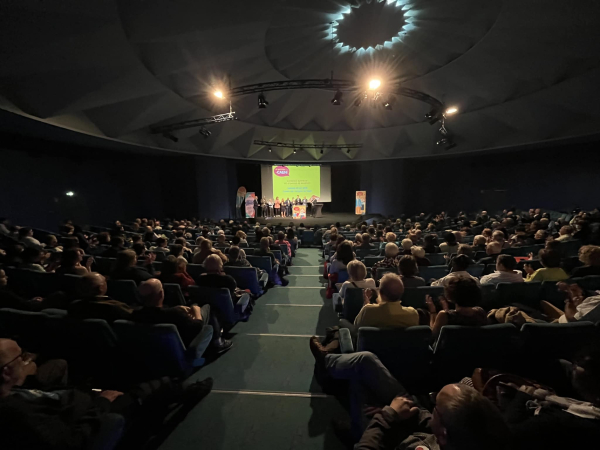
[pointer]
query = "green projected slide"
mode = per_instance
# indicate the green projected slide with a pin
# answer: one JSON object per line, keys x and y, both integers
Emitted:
{"x": 291, "y": 181}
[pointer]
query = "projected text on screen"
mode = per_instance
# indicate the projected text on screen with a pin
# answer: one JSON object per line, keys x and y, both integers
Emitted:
{"x": 291, "y": 181}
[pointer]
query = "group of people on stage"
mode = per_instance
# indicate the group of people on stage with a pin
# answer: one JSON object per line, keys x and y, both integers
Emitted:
{"x": 279, "y": 207}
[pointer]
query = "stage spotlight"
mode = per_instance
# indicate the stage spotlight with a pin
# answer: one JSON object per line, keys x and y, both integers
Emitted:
{"x": 171, "y": 137}
{"x": 389, "y": 104}
{"x": 337, "y": 98}
{"x": 262, "y": 101}
{"x": 70, "y": 194}
{"x": 219, "y": 94}
{"x": 374, "y": 84}
{"x": 451, "y": 110}
{"x": 204, "y": 132}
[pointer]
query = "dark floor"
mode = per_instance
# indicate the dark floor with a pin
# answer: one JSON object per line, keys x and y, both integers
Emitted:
{"x": 265, "y": 395}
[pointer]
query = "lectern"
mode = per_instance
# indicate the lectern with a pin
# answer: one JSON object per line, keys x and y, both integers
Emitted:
{"x": 316, "y": 210}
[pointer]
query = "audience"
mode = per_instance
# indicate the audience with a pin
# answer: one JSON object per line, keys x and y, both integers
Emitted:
{"x": 125, "y": 267}
{"x": 409, "y": 271}
{"x": 215, "y": 277}
{"x": 389, "y": 261}
{"x": 95, "y": 304}
{"x": 174, "y": 270}
{"x": 449, "y": 245}
{"x": 206, "y": 250}
{"x": 551, "y": 270}
{"x": 70, "y": 262}
{"x": 460, "y": 264}
{"x": 589, "y": 255}
{"x": 26, "y": 237}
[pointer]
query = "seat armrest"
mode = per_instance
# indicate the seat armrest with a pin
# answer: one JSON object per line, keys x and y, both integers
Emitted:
{"x": 346, "y": 345}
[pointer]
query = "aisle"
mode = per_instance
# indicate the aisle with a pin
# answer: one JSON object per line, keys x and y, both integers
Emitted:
{"x": 264, "y": 394}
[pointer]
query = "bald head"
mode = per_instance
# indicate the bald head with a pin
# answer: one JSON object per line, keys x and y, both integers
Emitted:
{"x": 93, "y": 285}
{"x": 391, "y": 288}
{"x": 493, "y": 248}
{"x": 151, "y": 293}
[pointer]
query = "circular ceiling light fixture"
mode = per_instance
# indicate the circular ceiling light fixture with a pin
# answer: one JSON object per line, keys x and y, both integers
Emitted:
{"x": 219, "y": 94}
{"x": 374, "y": 84}
{"x": 371, "y": 25}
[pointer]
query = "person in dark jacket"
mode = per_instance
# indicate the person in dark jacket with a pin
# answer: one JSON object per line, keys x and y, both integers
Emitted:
{"x": 95, "y": 304}
{"x": 126, "y": 269}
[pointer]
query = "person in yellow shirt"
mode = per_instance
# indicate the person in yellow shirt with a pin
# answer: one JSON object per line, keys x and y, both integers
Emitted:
{"x": 551, "y": 271}
{"x": 388, "y": 311}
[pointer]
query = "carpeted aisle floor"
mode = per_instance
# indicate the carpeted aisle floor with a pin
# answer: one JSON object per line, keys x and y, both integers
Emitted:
{"x": 264, "y": 394}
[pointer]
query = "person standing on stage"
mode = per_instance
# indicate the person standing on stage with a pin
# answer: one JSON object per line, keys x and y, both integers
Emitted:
{"x": 288, "y": 207}
{"x": 255, "y": 206}
{"x": 277, "y": 206}
{"x": 263, "y": 207}
{"x": 270, "y": 207}
{"x": 297, "y": 201}
{"x": 283, "y": 208}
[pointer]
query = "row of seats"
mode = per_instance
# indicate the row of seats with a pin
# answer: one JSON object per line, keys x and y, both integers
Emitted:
{"x": 411, "y": 358}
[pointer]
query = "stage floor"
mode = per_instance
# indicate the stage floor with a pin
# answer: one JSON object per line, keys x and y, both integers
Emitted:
{"x": 326, "y": 220}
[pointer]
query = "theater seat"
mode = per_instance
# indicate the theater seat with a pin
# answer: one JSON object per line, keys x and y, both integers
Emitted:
{"x": 524, "y": 293}
{"x": 173, "y": 295}
{"x": 550, "y": 293}
{"x": 415, "y": 297}
{"x": 353, "y": 303}
{"x": 125, "y": 291}
{"x": 436, "y": 272}
{"x": 220, "y": 303}
{"x": 246, "y": 278}
{"x": 157, "y": 350}
{"x": 25, "y": 327}
{"x": 476, "y": 270}
{"x": 381, "y": 271}
{"x": 262, "y": 262}
{"x": 547, "y": 341}
{"x": 307, "y": 238}
{"x": 436, "y": 259}
{"x": 461, "y": 349}
{"x": 370, "y": 261}
{"x": 195, "y": 270}
{"x": 405, "y": 352}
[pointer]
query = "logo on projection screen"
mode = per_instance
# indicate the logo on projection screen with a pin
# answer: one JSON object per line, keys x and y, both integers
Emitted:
{"x": 281, "y": 171}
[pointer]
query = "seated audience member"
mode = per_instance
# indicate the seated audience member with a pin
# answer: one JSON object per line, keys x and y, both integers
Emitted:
{"x": 216, "y": 278}
{"x": 221, "y": 242}
{"x": 462, "y": 418}
{"x": 67, "y": 418}
{"x": 33, "y": 259}
{"x": 9, "y": 299}
{"x": 365, "y": 242}
{"x": 206, "y": 250}
{"x": 589, "y": 255}
{"x": 390, "y": 260}
{"x": 409, "y": 271}
{"x": 540, "y": 237}
{"x": 26, "y": 237}
{"x": 341, "y": 258}
{"x": 357, "y": 273}
{"x": 240, "y": 234}
{"x": 94, "y": 304}
{"x": 282, "y": 241}
{"x": 498, "y": 236}
{"x": 52, "y": 244}
{"x": 492, "y": 250}
{"x": 235, "y": 242}
{"x": 174, "y": 270}
{"x": 70, "y": 262}
{"x": 388, "y": 311}
{"x": 292, "y": 239}
{"x": 199, "y": 241}
{"x": 357, "y": 240}
{"x": 235, "y": 258}
{"x": 460, "y": 264}
{"x": 580, "y": 305}
{"x": 565, "y": 234}
{"x": 117, "y": 244}
{"x": 541, "y": 419}
{"x": 465, "y": 293}
{"x": 449, "y": 245}
{"x": 176, "y": 250}
{"x": 125, "y": 267}
{"x": 160, "y": 245}
{"x": 5, "y": 227}
{"x": 551, "y": 270}
{"x": 430, "y": 244}
{"x": 189, "y": 320}
{"x": 479, "y": 242}
{"x": 406, "y": 246}
{"x": 505, "y": 272}
{"x": 140, "y": 249}
{"x": 487, "y": 234}
{"x": 419, "y": 254}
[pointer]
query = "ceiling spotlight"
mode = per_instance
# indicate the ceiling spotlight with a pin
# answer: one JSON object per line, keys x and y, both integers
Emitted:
{"x": 262, "y": 101}
{"x": 337, "y": 98}
{"x": 171, "y": 137}
{"x": 294, "y": 151}
{"x": 219, "y": 94}
{"x": 360, "y": 99}
{"x": 390, "y": 102}
{"x": 374, "y": 84}
{"x": 451, "y": 110}
{"x": 433, "y": 116}
{"x": 70, "y": 194}
{"x": 348, "y": 151}
{"x": 270, "y": 149}
{"x": 204, "y": 132}
{"x": 321, "y": 150}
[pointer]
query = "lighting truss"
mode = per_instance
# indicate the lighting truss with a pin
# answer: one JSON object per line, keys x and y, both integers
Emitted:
{"x": 293, "y": 145}
{"x": 162, "y": 129}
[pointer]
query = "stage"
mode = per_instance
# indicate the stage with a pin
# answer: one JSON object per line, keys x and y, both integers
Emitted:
{"x": 326, "y": 220}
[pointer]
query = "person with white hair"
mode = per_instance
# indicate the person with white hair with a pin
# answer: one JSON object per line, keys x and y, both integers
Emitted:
{"x": 419, "y": 254}
{"x": 215, "y": 277}
{"x": 406, "y": 246}
{"x": 392, "y": 254}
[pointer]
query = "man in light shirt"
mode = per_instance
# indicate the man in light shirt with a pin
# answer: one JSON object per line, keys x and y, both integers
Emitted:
{"x": 460, "y": 264}
{"x": 505, "y": 272}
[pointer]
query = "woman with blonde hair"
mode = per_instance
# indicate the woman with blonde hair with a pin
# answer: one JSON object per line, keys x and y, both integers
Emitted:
{"x": 242, "y": 237}
{"x": 406, "y": 246}
{"x": 206, "y": 249}
{"x": 357, "y": 273}
{"x": 419, "y": 254}
{"x": 590, "y": 256}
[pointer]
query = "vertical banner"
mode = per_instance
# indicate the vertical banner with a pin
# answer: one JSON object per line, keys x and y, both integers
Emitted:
{"x": 240, "y": 201}
{"x": 361, "y": 202}
{"x": 250, "y": 196}
{"x": 299, "y": 212}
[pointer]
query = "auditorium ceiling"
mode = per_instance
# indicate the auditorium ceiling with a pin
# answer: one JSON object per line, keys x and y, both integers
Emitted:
{"x": 519, "y": 72}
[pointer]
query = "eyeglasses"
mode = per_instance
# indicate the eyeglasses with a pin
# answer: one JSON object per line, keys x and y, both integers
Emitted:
{"x": 20, "y": 355}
